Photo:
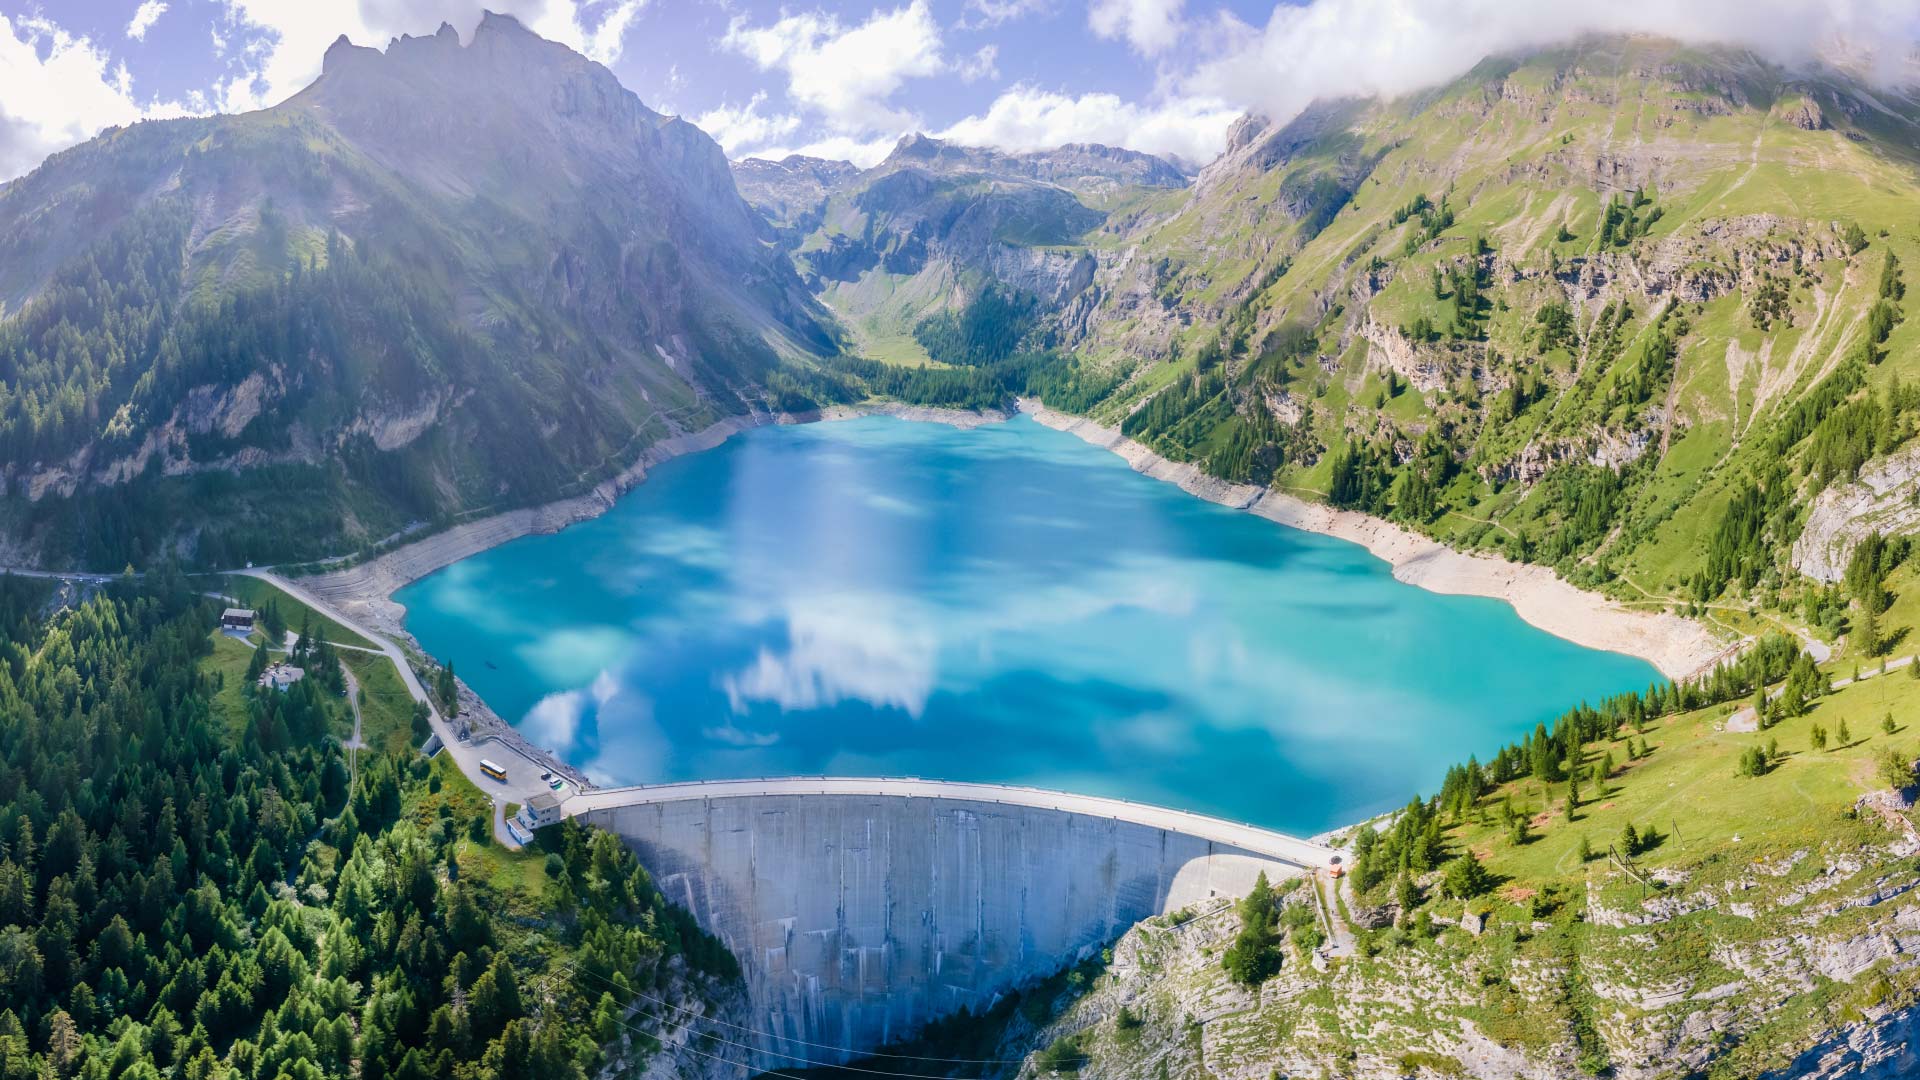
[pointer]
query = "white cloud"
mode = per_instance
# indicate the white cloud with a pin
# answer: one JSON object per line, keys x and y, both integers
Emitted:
{"x": 983, "y": 64}
{"x": 1150, "y": 26}
{"x": 1387, "y": 47}
{"x": 1028, "y": 118}
{"x": 554, "y": 721}
{"x": 981, "y": 13}
{"x": 736, "y": 736}
{"x": 862, "y": 151}
{"x": 846, "y": 74}
{"x": 738, "y": 127}
{"x": 50, "y": 103}
{"x": 144, "y": 17}
{"x": 608, "y": 38}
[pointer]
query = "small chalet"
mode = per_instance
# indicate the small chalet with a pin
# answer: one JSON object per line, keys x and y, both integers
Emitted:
{"x": 236, "y": 618}
{"x": 281, "y": 676}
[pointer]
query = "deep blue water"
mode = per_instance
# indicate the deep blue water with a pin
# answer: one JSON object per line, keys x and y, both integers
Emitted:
{"x": 879, "y": 597}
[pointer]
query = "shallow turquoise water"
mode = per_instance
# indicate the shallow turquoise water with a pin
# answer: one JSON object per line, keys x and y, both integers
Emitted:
{"x": 878, "y": 597}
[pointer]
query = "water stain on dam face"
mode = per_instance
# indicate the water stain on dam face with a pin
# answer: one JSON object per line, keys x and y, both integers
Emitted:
{"x": 859, "y": 917}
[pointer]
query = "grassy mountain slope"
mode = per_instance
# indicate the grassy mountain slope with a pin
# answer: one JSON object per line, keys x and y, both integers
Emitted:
{"x": 1573, "y": 308}
{"x": 1637, "y": 311}
{"x": 1685, "y": 920}
{"x": 442, "y": 279}
{"x": 1631, "y": 309}
{"x": 937, "y": 226}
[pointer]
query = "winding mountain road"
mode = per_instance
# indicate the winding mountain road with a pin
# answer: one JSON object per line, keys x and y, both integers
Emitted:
{"x": 523, "y": 774}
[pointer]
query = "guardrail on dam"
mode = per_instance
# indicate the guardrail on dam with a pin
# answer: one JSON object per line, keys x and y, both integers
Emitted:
{"x": 862, "y": 908}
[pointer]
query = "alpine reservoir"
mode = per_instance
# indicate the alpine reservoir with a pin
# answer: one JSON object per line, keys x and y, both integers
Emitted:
{"x": 1006, "y": 604}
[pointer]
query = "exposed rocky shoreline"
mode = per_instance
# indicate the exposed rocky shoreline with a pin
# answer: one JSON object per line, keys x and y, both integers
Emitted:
{"x": 1679, "y": 647}
{"x": 365, "y": 591}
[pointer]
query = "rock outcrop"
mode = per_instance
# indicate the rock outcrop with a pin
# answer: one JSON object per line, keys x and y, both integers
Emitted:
{"x": 1885, "y": 499}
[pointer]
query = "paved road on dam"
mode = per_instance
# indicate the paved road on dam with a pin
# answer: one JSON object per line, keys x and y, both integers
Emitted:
{"x": 1249, "y": 838}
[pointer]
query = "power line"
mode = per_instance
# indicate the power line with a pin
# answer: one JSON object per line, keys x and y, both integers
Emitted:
{"x": 820, "y": 1046}
{"x": 797, "y": 1057}
{"x": 806, "y": 1061}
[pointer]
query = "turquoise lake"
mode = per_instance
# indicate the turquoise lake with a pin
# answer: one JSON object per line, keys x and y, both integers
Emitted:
{"x": 1009, "y": 604}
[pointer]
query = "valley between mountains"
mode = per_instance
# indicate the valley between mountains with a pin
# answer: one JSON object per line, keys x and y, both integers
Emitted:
{"x": 1616, "y": 331}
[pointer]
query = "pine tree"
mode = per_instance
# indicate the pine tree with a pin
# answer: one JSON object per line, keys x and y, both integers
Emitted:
{"x": 1254, "y": 956}
{"x": 1465, "y": 878}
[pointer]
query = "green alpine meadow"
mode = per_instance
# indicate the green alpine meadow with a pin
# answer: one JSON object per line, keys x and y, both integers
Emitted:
{"x": 811, "y": 577}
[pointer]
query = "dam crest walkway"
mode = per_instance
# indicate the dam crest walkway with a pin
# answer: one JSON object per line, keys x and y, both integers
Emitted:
{"x": 1305, "y": 854}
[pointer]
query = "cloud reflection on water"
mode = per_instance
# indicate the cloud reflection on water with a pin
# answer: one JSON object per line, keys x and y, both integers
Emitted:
{"x": 842, "y": 647}
{"x": 1007, "y": 604}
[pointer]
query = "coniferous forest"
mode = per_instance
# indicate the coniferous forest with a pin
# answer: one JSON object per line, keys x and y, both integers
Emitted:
{"x": 180, "y": 898}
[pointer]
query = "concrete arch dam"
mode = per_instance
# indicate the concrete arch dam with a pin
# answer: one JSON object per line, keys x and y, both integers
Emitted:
{"x": 860, "y": 909}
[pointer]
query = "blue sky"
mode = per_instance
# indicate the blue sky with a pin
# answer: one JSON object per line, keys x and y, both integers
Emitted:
{"x": 846, "y": 78}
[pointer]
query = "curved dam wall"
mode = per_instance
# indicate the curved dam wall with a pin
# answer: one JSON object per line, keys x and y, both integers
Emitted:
{"x": 858, "y": 914}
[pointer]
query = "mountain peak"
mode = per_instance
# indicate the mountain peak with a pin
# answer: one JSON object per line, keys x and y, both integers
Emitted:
{"x": 343, "y": 52}
{"x": 917, "y": 143}
{"x": 497, "y": 23}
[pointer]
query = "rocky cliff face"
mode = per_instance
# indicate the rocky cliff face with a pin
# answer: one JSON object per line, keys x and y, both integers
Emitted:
{"x": 792, "y": 193}
{"x": 1087, "y": 169}
{"x": 528, "y": 126}
{"x": 1885, "y": 499}
{"x": 386, "y": 284}
{"x": 1799, "y": 965}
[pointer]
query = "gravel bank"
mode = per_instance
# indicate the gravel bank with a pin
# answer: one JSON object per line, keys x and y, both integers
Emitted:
{"x": 366, "y": 591}
{"x": 1678, "y": 647}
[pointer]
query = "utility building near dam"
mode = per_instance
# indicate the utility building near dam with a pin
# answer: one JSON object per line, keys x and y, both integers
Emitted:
{"x": 861, "y": 909}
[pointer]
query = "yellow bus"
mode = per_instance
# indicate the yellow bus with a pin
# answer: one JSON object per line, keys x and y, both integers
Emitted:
{"x": 492, "y": 770}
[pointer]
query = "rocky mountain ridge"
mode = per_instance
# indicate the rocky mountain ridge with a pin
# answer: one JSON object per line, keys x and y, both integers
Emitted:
{"x": 429, "y": 253}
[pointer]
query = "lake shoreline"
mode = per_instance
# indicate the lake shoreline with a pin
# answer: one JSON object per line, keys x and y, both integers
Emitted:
{"x": 365, "y": 590}
{"x": 1678, "y": 647}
